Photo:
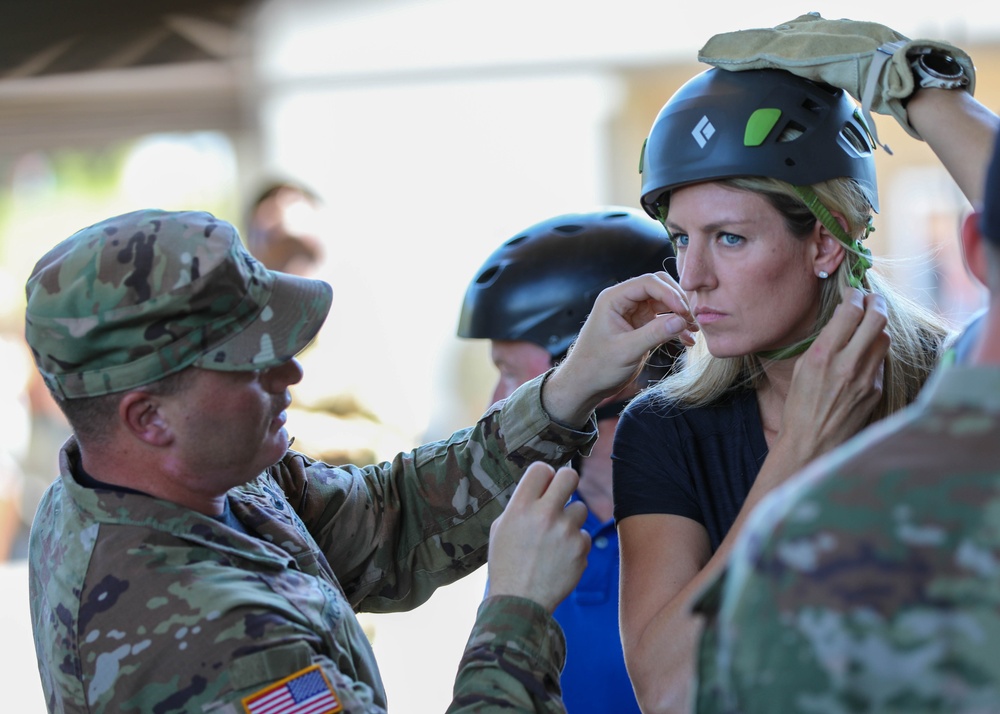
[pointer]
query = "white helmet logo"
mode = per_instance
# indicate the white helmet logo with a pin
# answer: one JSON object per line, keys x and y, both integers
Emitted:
{"x": 703, "y": 131}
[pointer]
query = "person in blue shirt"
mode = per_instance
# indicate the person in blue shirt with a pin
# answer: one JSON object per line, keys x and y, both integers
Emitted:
{"x": 530, "y": 299}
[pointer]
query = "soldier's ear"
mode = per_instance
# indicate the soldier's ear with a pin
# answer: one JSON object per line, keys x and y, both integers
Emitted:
{"x": 972, "y": 249}
{"x": 142, "y": 416}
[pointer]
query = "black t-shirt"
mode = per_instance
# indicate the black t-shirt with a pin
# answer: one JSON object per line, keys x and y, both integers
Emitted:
{"x": 697, "y": 462}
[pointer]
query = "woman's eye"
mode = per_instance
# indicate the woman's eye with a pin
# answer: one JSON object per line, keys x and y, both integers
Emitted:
{"x": 730, "y": 238}
{"x": 680, "y": 240}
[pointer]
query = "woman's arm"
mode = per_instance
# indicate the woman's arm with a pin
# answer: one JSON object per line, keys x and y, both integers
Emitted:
{"x": 663, "y": 562}
{"x": 960, "y": 131}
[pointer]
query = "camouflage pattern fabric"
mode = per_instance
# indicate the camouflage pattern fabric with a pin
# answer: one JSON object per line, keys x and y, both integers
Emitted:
{"x": 871, "y": 582}
{"x": 520, "y": 636}
{"x": 140, "y": 605}
{"x": 142, "y": 295}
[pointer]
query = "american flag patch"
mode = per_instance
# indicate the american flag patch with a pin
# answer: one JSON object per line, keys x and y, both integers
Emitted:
{"x": 305, "y": 692}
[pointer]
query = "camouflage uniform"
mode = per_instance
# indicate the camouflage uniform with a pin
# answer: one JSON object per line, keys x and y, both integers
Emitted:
{"x": 871, "y": 583}
{"x": 142, "y": 605}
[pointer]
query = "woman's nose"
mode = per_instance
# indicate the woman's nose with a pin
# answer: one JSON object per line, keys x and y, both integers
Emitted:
{"x": 693, "y": 267}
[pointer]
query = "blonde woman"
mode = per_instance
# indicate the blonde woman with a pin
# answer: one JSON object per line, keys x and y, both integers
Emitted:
{"x": 765, "y": 182}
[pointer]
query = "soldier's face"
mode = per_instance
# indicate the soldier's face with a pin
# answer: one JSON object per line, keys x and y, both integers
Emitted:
{"x": 230, "y": 426}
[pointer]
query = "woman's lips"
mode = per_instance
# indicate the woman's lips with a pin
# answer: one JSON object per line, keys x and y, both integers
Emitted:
{"x": 708, "y": 316}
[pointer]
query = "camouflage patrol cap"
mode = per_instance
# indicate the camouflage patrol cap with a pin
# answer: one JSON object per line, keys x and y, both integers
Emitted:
{"x": 137, "y": 297}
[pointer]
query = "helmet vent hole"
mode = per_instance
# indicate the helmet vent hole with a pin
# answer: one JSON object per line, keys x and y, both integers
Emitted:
{"x": 791, "y": 132}
{"x": 487, "y": 275}
{"x": 516, "y": 240}
{"x": 569, "y": 228}
{"x": 811, "y": 106}
{"x": 854, "y": 137}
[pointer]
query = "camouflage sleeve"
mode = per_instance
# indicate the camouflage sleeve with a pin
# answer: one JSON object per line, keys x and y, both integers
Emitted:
{"x": 724, "y": 661}
{"x": 709, "y": 694}
{"x": 423, "y": 520}
{"x": 860, "y": 591}
{"x": 512, "y": 661}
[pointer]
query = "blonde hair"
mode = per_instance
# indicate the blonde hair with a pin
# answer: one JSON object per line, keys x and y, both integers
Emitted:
{"x": 917, "y": 334}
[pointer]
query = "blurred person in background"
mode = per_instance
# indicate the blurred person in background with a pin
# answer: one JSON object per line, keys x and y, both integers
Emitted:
{"x": 15, "y": 425}
{"x": 33, "y": 429}
{"x": 530, "y": 298}
{"x": 288, "y": 229}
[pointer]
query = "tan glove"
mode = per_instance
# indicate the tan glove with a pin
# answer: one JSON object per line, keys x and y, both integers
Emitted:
{"x": 867, "y": 60}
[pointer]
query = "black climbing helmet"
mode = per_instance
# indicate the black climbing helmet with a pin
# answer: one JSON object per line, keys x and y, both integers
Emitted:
{"x": 766, "y": 122}
{"x": 540, "y": 285}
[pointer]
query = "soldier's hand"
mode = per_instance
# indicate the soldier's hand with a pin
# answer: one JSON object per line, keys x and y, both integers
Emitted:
{"x": 537, "y": 550}
{"x": 627, "y": 322}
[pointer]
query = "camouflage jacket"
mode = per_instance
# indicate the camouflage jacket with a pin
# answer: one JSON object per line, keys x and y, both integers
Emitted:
{"x": 871, "y": 581}
{"x": 140, "y": 605}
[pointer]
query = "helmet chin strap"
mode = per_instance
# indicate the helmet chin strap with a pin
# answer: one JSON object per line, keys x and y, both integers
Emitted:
{"x": 787, "y": 352}
{"x": 859, "y": 256}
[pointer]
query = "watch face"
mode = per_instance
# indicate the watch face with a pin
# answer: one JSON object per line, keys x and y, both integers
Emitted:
{"x": 941, "y": 65}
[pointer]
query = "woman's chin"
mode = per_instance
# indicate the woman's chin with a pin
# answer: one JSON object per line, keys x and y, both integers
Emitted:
{"x": 723, "y": 349}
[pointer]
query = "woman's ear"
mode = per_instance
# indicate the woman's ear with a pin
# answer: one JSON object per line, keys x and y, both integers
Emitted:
{"x": 829, "y": 251}
{"x": 142, "y": 415}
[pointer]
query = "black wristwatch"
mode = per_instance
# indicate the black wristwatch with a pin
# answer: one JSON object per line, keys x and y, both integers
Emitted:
{"x": 937, "y": 69}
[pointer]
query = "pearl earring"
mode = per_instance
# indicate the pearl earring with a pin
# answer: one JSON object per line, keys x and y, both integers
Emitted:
{"x": 823, "y": 275}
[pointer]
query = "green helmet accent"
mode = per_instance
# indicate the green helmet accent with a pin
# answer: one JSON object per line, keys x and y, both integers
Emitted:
{"x": 722, "y": 124}
{"x": 137, "y": 297}
{"x": 759, "y": 125}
